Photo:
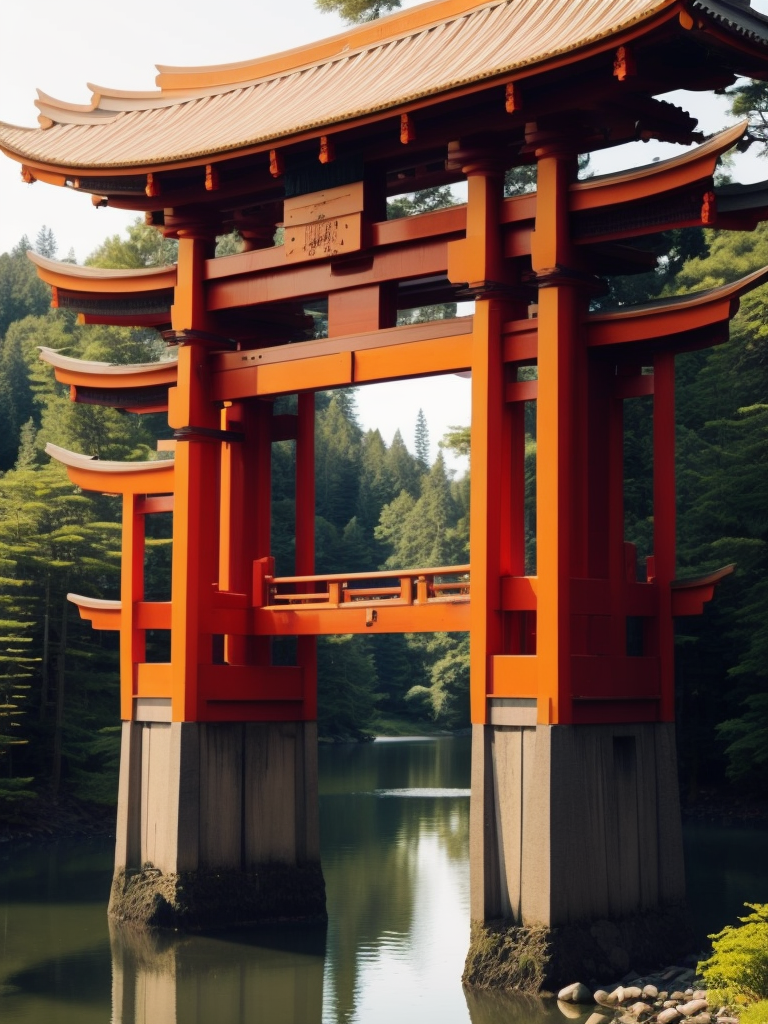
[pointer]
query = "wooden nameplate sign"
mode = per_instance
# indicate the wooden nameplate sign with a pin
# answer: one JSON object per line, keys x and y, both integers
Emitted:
{"x": 323, "y": 224}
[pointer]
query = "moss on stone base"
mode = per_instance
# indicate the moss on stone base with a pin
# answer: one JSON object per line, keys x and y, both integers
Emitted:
{"x": 529, "y": 959}
{"x": 210, "y": 899}
{"x": 507, "y": 956}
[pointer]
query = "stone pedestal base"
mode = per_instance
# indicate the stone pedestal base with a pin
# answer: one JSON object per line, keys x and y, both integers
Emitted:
{"x": 217, "y": 825}
{"x": 575, "y": 838}
{"x": 536, "y": 959}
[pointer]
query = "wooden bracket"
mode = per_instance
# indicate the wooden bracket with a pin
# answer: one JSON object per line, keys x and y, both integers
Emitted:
{"x": 327, "y": 152}
{"x": 513, "y": 98}
{"x": 709, "y": 208}
{"x": 624, "y": 64}
{"x": 153, "y": 185}
{"x": 407, "y": 129}
{"x": 276, "y": 163}
{"x": 211, "y": 178}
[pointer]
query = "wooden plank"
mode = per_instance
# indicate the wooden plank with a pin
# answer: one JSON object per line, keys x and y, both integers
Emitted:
{"x": 287, "y": 281}
{"x": 313, "y": 373}
{"x": 446, "y": 355}
{"x": 521, "y": 341}
{"x": 514, "y": 675}
{"x": 323, "y": 238}
{"x": 377, "y": 617}
{"x": 324, "y": 205}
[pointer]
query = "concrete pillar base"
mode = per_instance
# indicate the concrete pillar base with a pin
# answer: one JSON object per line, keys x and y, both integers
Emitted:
{"x": 540, "y": 959}
{"x": 217, "y": 825}
{"x": 576, "y": 846}
{"x": 209, "y": 899}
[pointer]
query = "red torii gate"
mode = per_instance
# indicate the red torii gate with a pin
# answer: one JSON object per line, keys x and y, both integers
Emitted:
{"x": 571, "y": 724}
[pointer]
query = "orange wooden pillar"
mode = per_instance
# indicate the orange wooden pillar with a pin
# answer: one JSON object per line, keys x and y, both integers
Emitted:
{"x": 545, "y": 758}
{"x": 477, "y": 263}
{"x": 196, "y": 421}
{"x": 132, "y": 639}
{"x": 560, "y": 440}
{"x": 305, "y": 539}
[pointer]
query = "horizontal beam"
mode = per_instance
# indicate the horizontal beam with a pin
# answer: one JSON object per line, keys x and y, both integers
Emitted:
{"x": 440, "y": 346}
{"x": 374, "y": 617}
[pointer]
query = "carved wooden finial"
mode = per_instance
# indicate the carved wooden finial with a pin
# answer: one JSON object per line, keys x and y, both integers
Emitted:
{"x": 407, "y": 129}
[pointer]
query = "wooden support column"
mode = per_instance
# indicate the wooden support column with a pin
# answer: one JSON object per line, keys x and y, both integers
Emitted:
{"x": 664, "y": 521}
{"x": 561, "y": 428}
{"x": 305, "y": 539}
{"x": 132, "y": 639}
{"x": 196, "y": 511}
{"x": 477, "y": 262}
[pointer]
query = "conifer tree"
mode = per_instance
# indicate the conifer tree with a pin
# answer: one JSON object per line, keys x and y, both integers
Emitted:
{"x": 421, "y": 440}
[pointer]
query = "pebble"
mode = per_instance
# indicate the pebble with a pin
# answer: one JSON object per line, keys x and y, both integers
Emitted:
{"x": 638, "y": 1000}
{"x": 693, "y": 1007}
{"x": 576, "y": 993}
{"x": 668, "y": 1015}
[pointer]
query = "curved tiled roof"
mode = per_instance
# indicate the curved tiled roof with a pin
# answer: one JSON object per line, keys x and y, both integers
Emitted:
{"x": 406, "y": 57}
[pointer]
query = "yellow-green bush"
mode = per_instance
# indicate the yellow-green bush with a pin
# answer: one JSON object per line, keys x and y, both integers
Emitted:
{"x": 755, "y": 1013}
{"x": 737, "y": 971}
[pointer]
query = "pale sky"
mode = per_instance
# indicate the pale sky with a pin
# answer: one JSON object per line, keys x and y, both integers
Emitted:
{"x": 59, "y": 48}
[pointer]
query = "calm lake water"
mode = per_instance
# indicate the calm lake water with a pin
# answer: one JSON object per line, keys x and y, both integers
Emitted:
{"x": 394, "y": 821}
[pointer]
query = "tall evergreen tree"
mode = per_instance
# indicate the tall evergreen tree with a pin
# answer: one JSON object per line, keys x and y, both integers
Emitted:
{"x": 421, "y": 440}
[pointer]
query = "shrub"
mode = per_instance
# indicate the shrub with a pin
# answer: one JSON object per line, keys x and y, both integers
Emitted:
{"x": 757, "y": 1013}
{"x": 737, "y": 971}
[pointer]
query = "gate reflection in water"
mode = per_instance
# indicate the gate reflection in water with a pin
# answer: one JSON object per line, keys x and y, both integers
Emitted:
{"x": 394, "y": 821}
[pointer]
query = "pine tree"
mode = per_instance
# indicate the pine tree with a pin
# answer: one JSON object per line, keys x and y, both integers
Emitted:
{"x": 421, "y": 440}
{"x": 45, "y": 243}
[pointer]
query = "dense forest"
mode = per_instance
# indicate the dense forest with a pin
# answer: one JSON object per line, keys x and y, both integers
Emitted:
{"x": 378, "y": 506}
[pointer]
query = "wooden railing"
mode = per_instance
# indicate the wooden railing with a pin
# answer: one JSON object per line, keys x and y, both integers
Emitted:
{"x": 401, "y": 587}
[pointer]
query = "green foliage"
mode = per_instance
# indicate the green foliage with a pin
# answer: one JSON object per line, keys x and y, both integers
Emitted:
{"x": 421, "y": 440}
{"x": 747, "y": 739}
{"x": 144, "y": 247}
{"x": 346, "y": 687}
{"x": 424, "y": 201}
{"x": 756, "y": 1013}
{"x": 750, "y": 100}
{"x": 737, "y": 971}
{"x": 456, "y": 440}
{"x": 357, "y": 10}
{"x": 21, "y": 291}
{"x": 445, "y": 697}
